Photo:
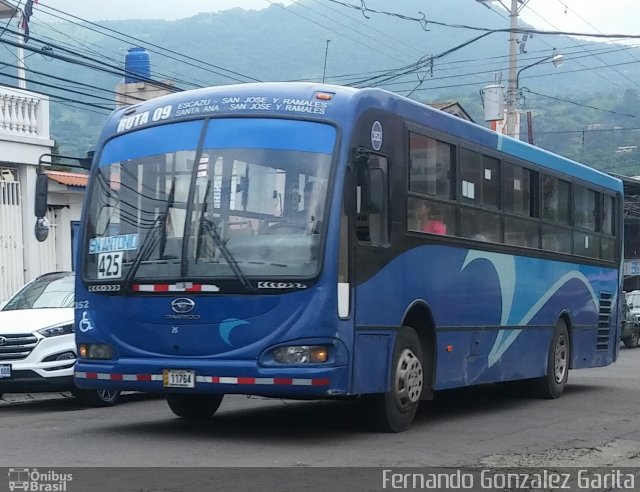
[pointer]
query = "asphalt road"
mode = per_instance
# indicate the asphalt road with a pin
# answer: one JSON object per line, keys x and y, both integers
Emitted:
{"x": 595, "y": 423}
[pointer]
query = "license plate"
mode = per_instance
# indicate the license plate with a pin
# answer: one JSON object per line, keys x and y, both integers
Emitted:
{"x": 179, "y": 378}
{"x": 5, "y": 371}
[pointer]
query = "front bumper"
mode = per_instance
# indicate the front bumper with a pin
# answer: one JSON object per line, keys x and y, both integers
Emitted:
{"x": 226, "y": 377}
{"x": 32, "y": 374}
{"x": 32, "y": 382}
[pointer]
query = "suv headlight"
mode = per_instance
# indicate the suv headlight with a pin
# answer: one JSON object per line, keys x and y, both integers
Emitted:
{"x": 55, "y": 331}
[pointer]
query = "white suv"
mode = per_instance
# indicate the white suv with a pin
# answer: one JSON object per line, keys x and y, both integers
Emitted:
{"x": 37, "y": 341}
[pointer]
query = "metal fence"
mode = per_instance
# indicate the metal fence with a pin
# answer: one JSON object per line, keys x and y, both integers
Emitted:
{"x": 11, "y": 246}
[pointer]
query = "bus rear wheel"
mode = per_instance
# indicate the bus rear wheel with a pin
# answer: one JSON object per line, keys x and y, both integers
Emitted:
{"x": 552, "y": 385}
{"x": 394, "y": 410}
{"x": 194, "y": 407}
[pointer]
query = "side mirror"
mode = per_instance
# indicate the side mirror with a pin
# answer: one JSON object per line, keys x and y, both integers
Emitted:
{"x": 41, "y": 229}
{"x": 374, "y": 196}
{"x": 42, "y": 188}
{"x": 85, "y": 162}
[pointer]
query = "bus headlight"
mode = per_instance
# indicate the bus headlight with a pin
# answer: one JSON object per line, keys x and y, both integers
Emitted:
{"x": 301, "y": 354}
{"x": 100, "y": 351}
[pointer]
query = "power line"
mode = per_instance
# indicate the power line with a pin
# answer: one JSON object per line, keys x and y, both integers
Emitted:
{"x": 118, "y": 62}
{"x": 567, "y": 101}
{"x": 378, "y": 31}
{"x": 338, "y": 33}
{"x": 589, "y": 51}
{"x": 62, "y": 98}
{"x": 425, "y": 22}
{"x": 98, "y": 65}
{"x": 152, "y": 47}
{"x": 376, "y": 40}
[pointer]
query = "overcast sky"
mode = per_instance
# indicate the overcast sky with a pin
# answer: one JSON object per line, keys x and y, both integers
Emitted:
{"x": 612, "y": 16}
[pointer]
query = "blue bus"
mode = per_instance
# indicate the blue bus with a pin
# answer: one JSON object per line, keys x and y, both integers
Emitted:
{"x": 300, "y": 240}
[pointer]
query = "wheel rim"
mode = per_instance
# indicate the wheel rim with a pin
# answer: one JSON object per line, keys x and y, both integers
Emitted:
{"x": 409, "y": 379}
{"x": 107, "y": 395}
{"x": 560, "y": 359}
{"x": 634, "y": 338}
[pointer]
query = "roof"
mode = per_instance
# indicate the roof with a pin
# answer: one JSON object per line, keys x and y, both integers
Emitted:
{"x": 631, "y": 195}
{"x": 452, "y": 107}
{"x": 7, "y": 10}
{"x": 69, "y": 179}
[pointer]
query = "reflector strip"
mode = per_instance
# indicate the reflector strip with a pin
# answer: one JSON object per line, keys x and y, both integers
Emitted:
{"x": 184, "y": 287}
{"x": 207, "y": 379}
{"x": 118, "y": 377}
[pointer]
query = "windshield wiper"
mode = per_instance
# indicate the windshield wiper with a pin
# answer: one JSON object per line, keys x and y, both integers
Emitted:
{"x": 146, "y": 248}
{"x": 211, "y": 228}
{"x": 169, "y": 203}
{"x": 157, "y": 234}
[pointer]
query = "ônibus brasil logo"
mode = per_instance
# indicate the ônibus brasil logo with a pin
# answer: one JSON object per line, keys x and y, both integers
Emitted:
{"x": 35, "y": 481}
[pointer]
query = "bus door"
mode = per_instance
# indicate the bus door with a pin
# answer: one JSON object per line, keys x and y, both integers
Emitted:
{"x": 370, "y": 254}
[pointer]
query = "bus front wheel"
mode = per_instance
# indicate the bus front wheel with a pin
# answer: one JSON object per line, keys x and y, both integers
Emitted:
{"x": 394, "y": 410}
{"x": 552, "y": 385}
{"x": 195, "y": 407}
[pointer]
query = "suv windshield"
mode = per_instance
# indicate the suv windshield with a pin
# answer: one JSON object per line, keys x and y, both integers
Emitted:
{"x": 48, "y": 291}
{"x": 233, "y": 198}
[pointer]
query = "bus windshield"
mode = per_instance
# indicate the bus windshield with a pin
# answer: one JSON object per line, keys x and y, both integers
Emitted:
{"x": 223, "y": 199}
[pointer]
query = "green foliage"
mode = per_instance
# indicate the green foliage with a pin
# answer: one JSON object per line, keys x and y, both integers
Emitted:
{"x": 278, "y": 44}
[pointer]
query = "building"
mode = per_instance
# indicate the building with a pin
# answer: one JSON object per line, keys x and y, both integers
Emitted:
{"x": 452, "y": 107}
{"x": 631, "y": 232}
{"x": 24, "y": 140}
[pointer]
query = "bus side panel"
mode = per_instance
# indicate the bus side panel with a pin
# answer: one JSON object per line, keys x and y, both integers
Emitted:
{"x": 371, "y": 362}
{"x": 494, "y": 313}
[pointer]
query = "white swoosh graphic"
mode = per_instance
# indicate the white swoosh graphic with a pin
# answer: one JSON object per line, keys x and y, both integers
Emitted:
{"x": 503, "y": 343}
{"x": 505, "y": 267}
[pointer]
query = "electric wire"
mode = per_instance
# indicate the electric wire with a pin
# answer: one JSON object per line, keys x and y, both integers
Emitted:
{"x": 154, "y": 48}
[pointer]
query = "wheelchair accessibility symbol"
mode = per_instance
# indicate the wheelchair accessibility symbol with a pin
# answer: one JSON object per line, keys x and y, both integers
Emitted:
{"x": 85, "y": 324}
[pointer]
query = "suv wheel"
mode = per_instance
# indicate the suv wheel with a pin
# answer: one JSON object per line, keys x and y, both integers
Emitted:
{"x": 97, "y": 398}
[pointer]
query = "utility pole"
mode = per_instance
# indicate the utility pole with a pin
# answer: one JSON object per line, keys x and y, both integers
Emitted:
{"x": 326, "y": 51}
{"x": 22, "y": 74}
{"x": 512, "y": 87}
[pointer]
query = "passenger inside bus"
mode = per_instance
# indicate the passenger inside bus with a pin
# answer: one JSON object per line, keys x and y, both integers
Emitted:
{"x": 430, "y": 219}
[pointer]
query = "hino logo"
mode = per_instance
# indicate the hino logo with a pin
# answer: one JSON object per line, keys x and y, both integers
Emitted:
{"x": 3, "y": 341}
{"x": 182, "y": 305}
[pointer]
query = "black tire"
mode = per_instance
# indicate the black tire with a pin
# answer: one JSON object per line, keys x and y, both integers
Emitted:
{"x": 97, "y": 398}
{"x": 552, "y": 384}
{"x": 394, "y": 410}
{"x": 632, "y": 340}
{"x": 194, "y": 407}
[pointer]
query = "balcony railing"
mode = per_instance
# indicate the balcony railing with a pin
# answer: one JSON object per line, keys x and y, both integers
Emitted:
{"x": 23, "y": 114}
